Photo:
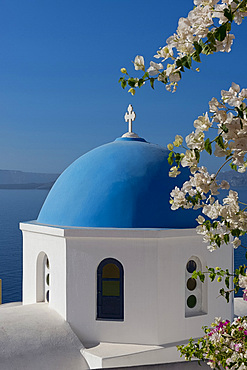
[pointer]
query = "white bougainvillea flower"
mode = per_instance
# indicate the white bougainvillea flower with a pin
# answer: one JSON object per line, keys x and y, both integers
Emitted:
{"x": 203, "y": 122}
{"x": 139, "y": 63}
{"x": 165, "y": 53}
{"x": 236, "y": 243}
{"x": 195, "y": 140}
{"x": 154, "y": 68}
{"x": 174, "y": 172}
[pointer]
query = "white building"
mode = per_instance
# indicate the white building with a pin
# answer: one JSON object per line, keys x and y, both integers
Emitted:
{"x": 107, "y": 268}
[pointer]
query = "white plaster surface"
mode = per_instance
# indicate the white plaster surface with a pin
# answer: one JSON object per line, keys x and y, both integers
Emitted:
{"x": 35, "y": 337}
{"x": 240, "y": 307}
{"x": 107, "y": 355}
{"x": 154, "y": 262}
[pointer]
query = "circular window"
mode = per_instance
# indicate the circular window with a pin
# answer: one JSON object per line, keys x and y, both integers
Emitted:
{"x": 191, "y": 266}
{"x": 191, "y": 301}
{"x": 191, "y": 284}
{"x": 48, "y": 279}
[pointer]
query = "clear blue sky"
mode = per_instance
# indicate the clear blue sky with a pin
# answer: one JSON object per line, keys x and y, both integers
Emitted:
{"x": 59, "y": 69}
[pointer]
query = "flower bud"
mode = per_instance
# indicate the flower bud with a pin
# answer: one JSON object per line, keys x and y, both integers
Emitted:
{"x": 178, "y": 141}
{"x": 123, "y": 70}
{"x": 219, "y": 279}
{"x": 170, "y": 146}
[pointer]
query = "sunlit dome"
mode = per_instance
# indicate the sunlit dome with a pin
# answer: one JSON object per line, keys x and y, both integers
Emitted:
{"x": 123, "y": 184}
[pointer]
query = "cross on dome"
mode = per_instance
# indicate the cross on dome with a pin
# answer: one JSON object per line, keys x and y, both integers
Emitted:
{"x": 130, "y": 117}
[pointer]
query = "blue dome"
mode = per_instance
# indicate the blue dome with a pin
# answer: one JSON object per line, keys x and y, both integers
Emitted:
{"x": 123, "y": 184}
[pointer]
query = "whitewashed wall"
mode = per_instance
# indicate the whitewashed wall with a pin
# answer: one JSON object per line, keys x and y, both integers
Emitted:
{"x": 154, "y": 263}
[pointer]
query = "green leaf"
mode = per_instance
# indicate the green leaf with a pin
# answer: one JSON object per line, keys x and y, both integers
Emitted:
{"x": 198, "y": 47}
{"x": 140, "y": 82}
{"x": 208, "y": 146}
{"x": 201, "y": 276}
{"x": 224, "y": 128}
{"x": 131, "y": 82}
{"x": 217, "y": 239}
{"x": 180, "y": 64}
{"x": 170, "y": 158}
{"x": 222, "y": 292}
{"x": 233, "y": 166}
{"x": 220, "y": 32}
{"x": 208, "y": 49}
{"x": 152, "y": 82}
{"x": 211, "y": 39}
{"x": 196, "y": 57}
{"x": 240, "y": 112}
{"x": 146, "y": 74}
{"x": 123, "y": 83}
{"x": 227, "y": 282}
{"x": 227, "y": 296}
{"x": 197, "y": 154}
{"x": 226, "y": 238}
{"x": 215, "y": 224}
{"x": 212, "y": 276}
{"x": 236, "y": 232}
{"x": 220, "y": 142}
{"x": 228, "y": 14}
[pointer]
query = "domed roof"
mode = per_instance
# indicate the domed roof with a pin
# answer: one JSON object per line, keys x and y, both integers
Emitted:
{"x": 123, "y": 184}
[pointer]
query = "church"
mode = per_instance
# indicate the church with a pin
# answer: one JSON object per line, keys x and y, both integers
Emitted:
{"x": 107, "y": 268}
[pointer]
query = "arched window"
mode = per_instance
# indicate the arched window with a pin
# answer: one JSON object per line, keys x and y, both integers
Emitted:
{"x": 195, "y": 294}
{"x": 110, "y": 300}
{"x": 43, "y": 278}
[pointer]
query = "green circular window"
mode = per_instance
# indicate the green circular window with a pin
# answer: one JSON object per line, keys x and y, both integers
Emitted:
{"x": 191, "y": 284}
{"x": 191, "y": 266}
{"x": 191, "y": 301}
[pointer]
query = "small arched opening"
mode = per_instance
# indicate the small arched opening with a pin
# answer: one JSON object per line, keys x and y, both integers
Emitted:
{"x": 42, "y": 278}
{"x": 195, "y": 292}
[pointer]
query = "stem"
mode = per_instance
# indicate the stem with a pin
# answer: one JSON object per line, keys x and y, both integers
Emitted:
{"x": 228, "y": 160}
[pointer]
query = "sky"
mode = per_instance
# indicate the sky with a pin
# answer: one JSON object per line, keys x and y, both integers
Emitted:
{"x": 59, "y": 69}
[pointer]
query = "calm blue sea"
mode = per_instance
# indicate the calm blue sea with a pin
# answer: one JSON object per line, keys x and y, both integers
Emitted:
{"x": 24, "y": 205}
{"x": 16, "y": 206}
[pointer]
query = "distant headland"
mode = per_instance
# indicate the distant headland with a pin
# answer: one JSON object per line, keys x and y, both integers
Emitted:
{"x": 12, "y": 179}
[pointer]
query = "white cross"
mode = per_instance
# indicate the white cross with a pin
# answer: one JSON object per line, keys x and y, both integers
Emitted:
{"x": 130, "y": 116}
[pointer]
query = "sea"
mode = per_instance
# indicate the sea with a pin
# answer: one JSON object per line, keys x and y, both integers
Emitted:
{"x": 24, "y": 205}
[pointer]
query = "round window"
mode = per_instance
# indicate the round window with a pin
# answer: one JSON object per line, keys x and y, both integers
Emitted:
{"x": 191, "y": 284}
{"x": 191, "y": 301}
{"x": 191, "y": 266}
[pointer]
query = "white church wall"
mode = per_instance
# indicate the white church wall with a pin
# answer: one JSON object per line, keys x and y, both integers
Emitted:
{"x": 34, "y": 244}
{"x": 154, "y": 283}
{"x": 139, "y": 260}
{"x": 154, "y": 263}
{"x": 174, "y": 253}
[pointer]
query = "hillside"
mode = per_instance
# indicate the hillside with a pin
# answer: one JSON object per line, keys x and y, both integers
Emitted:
{"x": 234, "y": 178}
{"x": 11, "y": 179}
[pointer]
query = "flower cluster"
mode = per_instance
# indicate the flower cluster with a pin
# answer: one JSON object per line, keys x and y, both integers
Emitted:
{"x": 224, "y": 345}
{"x": 229, "y": 117}
{"x": 205, "y": 30}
